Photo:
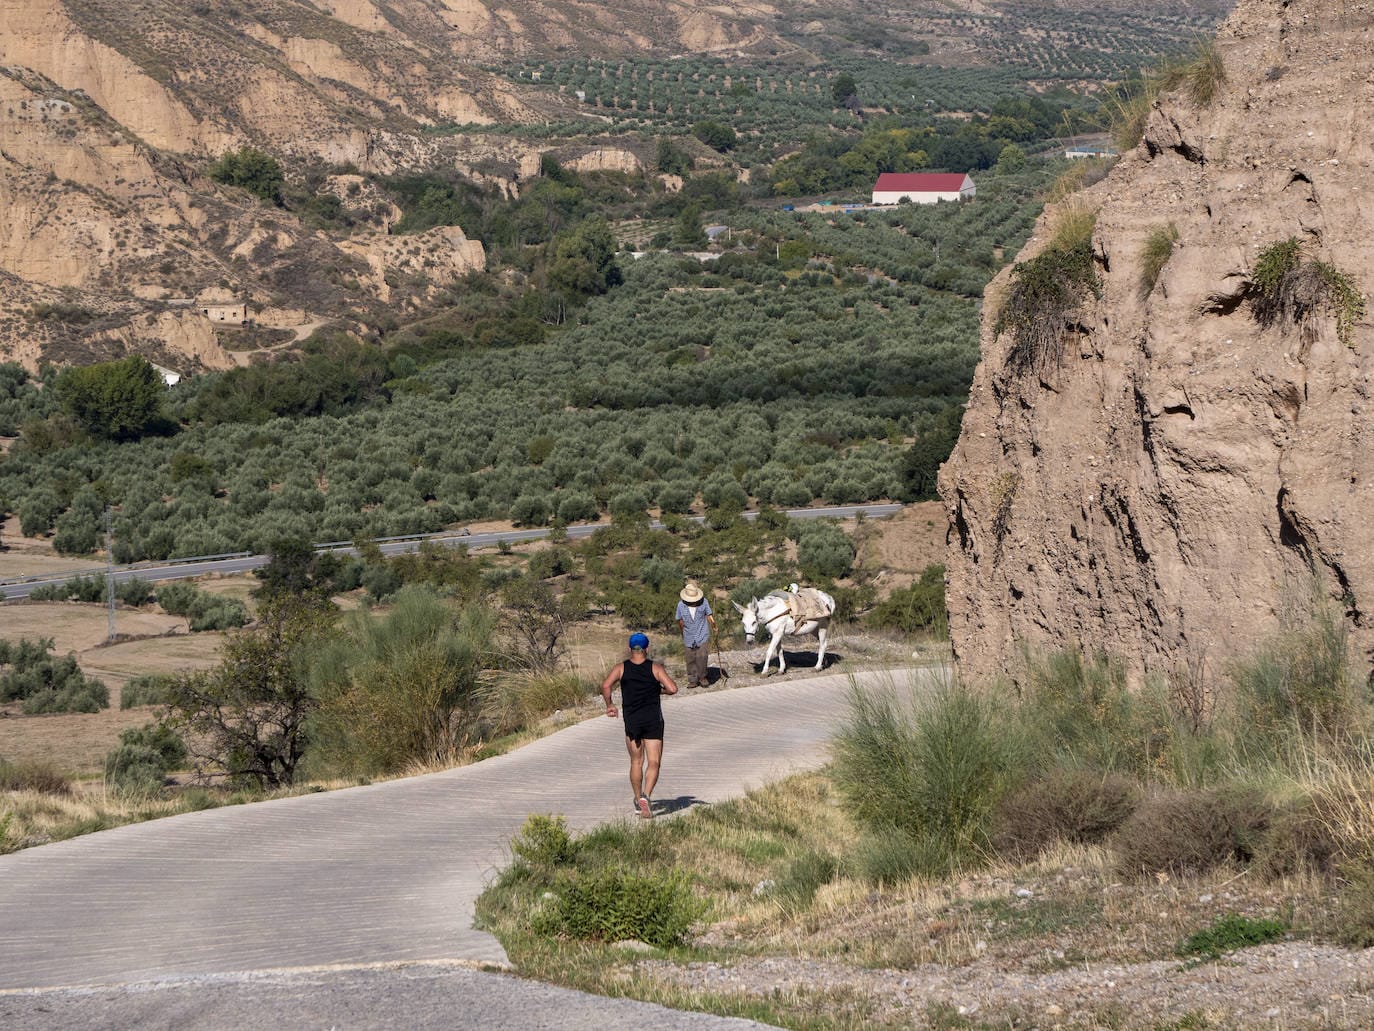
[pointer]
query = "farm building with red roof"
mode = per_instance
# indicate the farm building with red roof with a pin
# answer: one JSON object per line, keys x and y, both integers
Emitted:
{"x": 923, "y": 187}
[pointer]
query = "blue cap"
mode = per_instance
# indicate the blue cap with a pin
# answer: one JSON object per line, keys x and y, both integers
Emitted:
{"x": 639, "y": 640}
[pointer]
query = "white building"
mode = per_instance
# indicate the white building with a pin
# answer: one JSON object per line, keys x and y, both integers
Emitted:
{"x": 923, "y": 187}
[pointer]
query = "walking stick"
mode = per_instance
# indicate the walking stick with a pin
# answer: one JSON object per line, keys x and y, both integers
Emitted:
{"x": 720, "y": 662}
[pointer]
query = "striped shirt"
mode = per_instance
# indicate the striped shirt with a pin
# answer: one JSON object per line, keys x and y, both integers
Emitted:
{"x": 696, "y": 627}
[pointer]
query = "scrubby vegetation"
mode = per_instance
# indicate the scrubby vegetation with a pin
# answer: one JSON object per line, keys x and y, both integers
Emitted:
{"x": 203, "y": 610}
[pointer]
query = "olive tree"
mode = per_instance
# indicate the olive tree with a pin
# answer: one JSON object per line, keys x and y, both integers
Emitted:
{"x": 248, "y": 716}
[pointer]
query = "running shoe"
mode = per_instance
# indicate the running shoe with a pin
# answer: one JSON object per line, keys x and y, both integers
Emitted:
{"x": 643, "y": 805}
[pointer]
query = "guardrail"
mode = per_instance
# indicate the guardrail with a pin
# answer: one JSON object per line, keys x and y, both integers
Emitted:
{"x": 42, "y": 578}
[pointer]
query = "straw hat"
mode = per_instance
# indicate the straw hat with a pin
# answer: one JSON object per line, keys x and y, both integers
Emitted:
{"x": 691, "y": 594}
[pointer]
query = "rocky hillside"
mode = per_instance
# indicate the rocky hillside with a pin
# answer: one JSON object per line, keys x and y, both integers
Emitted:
{"x": 111, "y": 113}
{"x": 1165, "y": 482}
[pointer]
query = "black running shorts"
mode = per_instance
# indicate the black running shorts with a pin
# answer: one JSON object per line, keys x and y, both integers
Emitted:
{"x": 637, "y": 730}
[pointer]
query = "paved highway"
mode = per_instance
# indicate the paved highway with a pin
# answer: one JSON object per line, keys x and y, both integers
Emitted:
{"x": 20, "y": 588}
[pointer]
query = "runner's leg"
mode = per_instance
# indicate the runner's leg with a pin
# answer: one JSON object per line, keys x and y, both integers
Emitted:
{"x": 653, "y": 752}
{"x": 636, "y": 764}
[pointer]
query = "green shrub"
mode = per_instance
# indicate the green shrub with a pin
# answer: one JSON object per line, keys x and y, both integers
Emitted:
{"x": 1085, "y": 714}
{"x": 134, "y": 591}
{"x": 203, "y": 610}
{"x": 886, "y": 855}
{"x": 519, "y": 699}
{"x": 45, "y": 683}
{"x": 1230, "y": 933}
{"x": 139, "y": 766}
{"x": 89, "y": 589}
{"x": 934, "y": 771}
{"x": 1187, "y": 833}
{"x": 544, "y": 841}
{"x": 615, "y": 905}
{"x": 804, "y": 876}
{"x": 918, "y": 607}
{"x": 549, "y": 563}
{"x": 642, "y": 608}
{"x": 402, "y": 689}
{"x": 257, "y": 172}
{"x": 531, "y": 510}
{"x": 660, "y": 573}
{"x": 148, "y": 689}
{"x": 1077, "y": 806}
{"x": 1298, "y": 683}
{"x": 824, "y": 550}
{"x": 381, "y": 581}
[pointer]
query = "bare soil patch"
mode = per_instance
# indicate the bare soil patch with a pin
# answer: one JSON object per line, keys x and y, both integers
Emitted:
{"x": 75, "y": 743}
{"x": 906, "y": 543}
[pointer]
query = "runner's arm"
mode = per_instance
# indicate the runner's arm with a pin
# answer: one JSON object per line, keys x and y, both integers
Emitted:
{"x": 665, "y": 682}
{"x": 612, "y": 678}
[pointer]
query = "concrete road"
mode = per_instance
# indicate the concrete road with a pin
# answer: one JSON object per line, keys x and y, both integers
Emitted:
{"x": 386, "y": 873}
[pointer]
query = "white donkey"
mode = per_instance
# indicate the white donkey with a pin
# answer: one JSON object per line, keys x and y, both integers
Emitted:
{"x": 788, "y": 614}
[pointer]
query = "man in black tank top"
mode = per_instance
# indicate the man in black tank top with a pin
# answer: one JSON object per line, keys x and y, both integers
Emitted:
{"x": 641, "y": 682}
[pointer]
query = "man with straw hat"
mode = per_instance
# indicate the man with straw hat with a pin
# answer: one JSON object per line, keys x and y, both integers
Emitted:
{"x": 697, "y": 624}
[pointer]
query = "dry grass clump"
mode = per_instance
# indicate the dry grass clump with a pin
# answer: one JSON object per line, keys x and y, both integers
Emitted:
{"x": 1076, "y": 806}
{"x": 1079, "y": 176}
{"x": 1072, "y": 224}
{"x": 512, "y": 701}
{"x": 40, "y": 777}
{"x": 1191, "y": 832}
{"x": 1199, "y": 75}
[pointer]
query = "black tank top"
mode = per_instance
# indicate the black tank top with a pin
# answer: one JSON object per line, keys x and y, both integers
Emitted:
{"x": 638, "y": 689}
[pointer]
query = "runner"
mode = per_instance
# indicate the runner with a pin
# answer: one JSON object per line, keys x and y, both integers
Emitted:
{"x": 642, "y": 681}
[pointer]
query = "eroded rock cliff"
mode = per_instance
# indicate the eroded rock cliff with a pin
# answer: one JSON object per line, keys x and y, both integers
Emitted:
{"x": 1168, "y": 488}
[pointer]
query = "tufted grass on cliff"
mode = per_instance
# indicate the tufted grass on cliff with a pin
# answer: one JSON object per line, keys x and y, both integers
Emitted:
{"x": 1285, "y": 287}
{"x": 1155, "y": 254}
{"x": 1045, "y": 292}
{"x": 1199, "y": 74}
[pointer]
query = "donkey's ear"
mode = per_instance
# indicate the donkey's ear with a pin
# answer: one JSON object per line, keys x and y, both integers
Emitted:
{"x": 738, "y": 607}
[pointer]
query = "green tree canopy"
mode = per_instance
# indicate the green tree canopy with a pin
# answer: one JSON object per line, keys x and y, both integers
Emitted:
{"x": 120, "y": 400}
{"x": 715, "y": 135}
{"x": 672, "y": 159}
{"x": 257, "y": 172}
{"x": 582, "y": 262}
{"x": 843, "y": 88}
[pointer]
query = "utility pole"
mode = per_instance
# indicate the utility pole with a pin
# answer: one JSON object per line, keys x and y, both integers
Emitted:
{"x": 109, "y": 576}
